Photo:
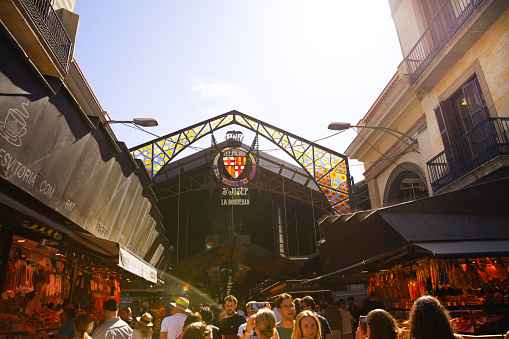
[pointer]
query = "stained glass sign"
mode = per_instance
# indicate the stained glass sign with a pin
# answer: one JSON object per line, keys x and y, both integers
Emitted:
{"x": 328, "y": 169}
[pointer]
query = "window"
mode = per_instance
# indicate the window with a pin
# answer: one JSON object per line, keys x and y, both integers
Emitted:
{"x": 465, "y": 109}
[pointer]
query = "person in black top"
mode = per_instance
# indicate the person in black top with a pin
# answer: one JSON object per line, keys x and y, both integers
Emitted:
{"x": 355, "y": 311}
{"x": 207, "y": 316}
{"x": 372, "y": 304}
{"x": 232, "y": 321}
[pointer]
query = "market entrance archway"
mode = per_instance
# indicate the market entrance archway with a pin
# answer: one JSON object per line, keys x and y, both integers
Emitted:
{"x": 327, "y": 168}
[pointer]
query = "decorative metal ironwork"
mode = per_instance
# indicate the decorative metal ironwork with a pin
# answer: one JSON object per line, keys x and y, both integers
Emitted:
{"x": 449, "y": 19}
{"x": 328, "y": 169}
{"x": 482, "y": 143}
{"x": 234, "y": 138}
{"x": 196, "y": 182}
{"x": 51, "y": 28}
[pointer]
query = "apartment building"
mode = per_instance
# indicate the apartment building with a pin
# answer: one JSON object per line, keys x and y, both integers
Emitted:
{"x": 449, "y": 99}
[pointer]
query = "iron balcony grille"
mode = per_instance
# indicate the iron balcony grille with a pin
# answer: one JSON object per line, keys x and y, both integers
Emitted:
{"x": 451, "y": 16}
{"x": 408, "y": 198}
{"x": 481, "y": 144}
{"x": 47, "y": 21}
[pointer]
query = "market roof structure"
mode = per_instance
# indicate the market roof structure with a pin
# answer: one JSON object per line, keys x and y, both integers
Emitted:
{"x": 327, "y": 168}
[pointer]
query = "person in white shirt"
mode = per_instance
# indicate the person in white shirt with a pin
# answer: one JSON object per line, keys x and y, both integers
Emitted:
{"x": 276, "y": 310}
{"x": 242, "y": 328}
{"x": 113, "y": 327}
{"x": 171, "y": 326}
{"x": 346, "y": 321}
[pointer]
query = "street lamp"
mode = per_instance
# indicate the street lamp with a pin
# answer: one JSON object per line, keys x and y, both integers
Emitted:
{"x": 143, "y": 122}
{"x": 340, "y": 126}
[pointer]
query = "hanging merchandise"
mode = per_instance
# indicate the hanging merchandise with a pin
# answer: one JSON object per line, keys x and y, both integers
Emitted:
{"x": 41, "y": 281}
{"x": 33, "y": 286}
{"x": 475, "y": 291}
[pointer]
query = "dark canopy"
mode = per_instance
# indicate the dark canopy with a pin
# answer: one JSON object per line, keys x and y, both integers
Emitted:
{"x": 237, "y": 250}
{"x": 471, "y": 222}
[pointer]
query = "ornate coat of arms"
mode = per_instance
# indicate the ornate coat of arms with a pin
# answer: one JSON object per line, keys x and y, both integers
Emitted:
{"x": 234, "y": 165}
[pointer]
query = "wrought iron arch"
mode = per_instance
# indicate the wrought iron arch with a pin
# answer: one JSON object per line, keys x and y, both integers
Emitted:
{"x": 328, "y": 169}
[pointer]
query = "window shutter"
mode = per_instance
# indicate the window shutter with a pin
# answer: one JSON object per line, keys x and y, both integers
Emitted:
{"x": 451, "y": 126}
{"x": 471, "y": 91}
{"x": 442, "y": 126}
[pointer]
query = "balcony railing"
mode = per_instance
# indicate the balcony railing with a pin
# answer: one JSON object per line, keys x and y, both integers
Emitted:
{"x": 481, "y": 144}
{"x": 451, "y": 16}
{"x": 51, "y": 28}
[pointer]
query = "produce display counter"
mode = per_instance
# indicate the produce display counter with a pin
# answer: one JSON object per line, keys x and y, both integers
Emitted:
{"x": 472, "y": 319}
{"x": 475, "y": 291}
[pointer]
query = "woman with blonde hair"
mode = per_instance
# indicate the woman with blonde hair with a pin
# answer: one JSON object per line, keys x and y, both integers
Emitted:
{"x": 83, "y": 325}
{"x": 144, "y": 326}
{"x": 306, "y": 326}
{"x": 264, "y": 324}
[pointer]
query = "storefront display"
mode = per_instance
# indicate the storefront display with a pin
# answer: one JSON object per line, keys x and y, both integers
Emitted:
{"x": 36, "y": 281}
{"x": 475, "y": 291}
{"x": 40, "y": 280}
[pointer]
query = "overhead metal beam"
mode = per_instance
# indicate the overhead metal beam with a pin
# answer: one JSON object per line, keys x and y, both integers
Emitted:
{"x": 327, "y": 168}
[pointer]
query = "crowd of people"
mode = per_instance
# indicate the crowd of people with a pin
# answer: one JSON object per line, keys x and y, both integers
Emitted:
{"x": 288, "y": 319}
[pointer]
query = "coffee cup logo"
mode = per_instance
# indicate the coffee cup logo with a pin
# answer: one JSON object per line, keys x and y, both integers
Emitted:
{"x": 13, "y": 128}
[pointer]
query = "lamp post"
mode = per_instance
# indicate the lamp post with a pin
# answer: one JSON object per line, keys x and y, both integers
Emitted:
{"x": 143, "y": 122}
{"x": 340, "y": 126}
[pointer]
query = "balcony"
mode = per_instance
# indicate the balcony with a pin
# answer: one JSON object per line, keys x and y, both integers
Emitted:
{"x": 458, "y": 25}
{"x": 482, "y": 144}
{"x": 451, "y": 16}
{"x": 52, "y": 30}
{"x": 38, "y": 30}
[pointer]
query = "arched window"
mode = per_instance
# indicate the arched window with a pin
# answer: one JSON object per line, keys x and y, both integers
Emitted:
{"x": 406, "y": 183}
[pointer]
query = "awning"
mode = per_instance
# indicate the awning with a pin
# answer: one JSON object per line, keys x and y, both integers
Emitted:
{"x": 100, "y": 189}
{"x": 472, "y": 222}
{"x": 240, "y": 251}
{"x": 125, "y": 258}
{"x": 442, "y": 250}
{"x": 462, "y": 249}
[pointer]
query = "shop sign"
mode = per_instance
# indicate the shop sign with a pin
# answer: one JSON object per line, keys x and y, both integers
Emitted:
{"x": 50, "y": 150}
{"x": 234, "y": 167}
{"x": 357, "y": 288}
{"x": 134, "y": 265}
{"x": 14, "y": 126}
{"x": 295, "y": 286}
{"x": 238, "y": 196}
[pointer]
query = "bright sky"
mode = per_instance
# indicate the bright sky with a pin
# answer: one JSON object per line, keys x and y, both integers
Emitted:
{"x": 297, "y": 65}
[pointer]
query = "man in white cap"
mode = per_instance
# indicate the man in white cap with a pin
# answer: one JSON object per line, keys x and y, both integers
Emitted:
{"x": 113, "y": 327}
{"x": 171, "y": 326}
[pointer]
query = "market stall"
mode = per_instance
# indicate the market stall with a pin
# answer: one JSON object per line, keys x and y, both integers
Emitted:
{"x": 43, "y": 276}
{"x": 64, "y": 175}
{"x": 36, "y": 280}
{"x": 453, "y": 246}
{"x": 475, "y": 291}
{"x": 41, "y": 279}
